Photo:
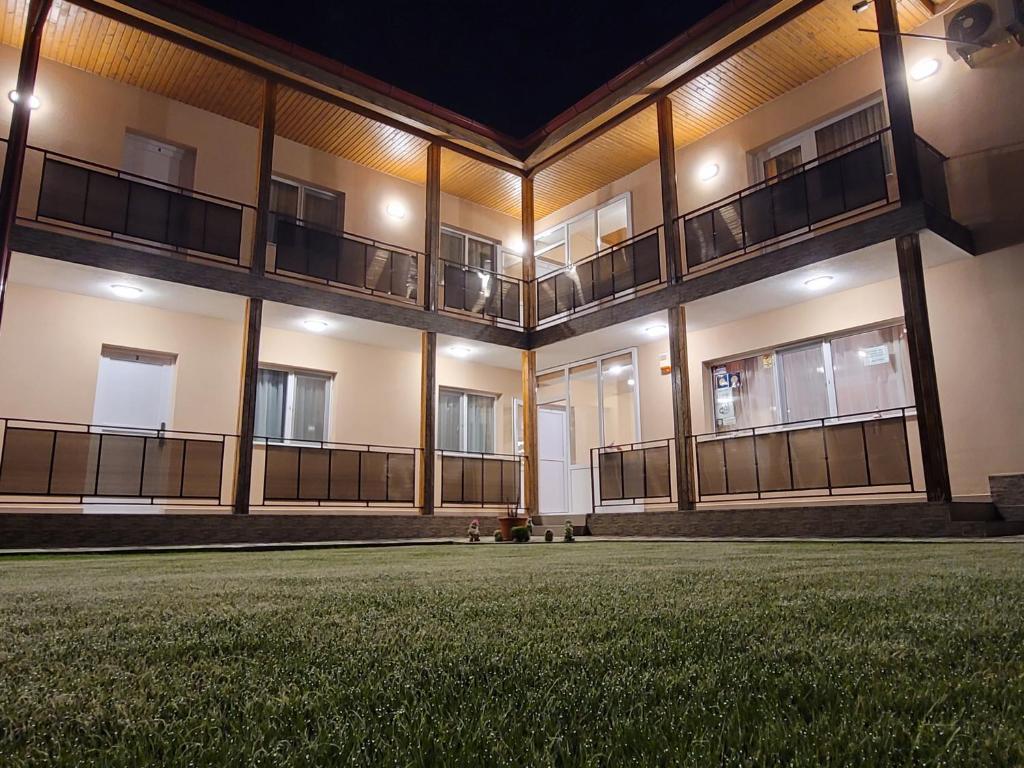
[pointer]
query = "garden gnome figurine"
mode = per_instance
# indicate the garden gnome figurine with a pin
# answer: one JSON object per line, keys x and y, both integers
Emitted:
{"x": 474, "y": 531}
{"x": 569, "y": 536}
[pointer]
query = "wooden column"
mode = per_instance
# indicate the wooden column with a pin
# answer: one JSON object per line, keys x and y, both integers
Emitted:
{"x": 681, "y": 406}
{"x": 268, "y": 120}
{"x": 897, "y": 97}
{"x": 922, "y": 368}
{"x": 432, "y": 237}
{"x": 247, "y": 404}
{"x": 529, "y": 265}
{"x": 531, "y": 458}
{"x": 669, "y": 197}
{"x": 428, "y": 419}
{"x": 17, "y": 140}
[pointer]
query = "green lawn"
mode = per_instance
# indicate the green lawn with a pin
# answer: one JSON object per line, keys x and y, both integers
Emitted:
{"x": 547, "y": 654}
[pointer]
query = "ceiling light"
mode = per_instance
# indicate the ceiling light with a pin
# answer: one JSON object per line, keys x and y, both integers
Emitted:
{"x": 861, "y": 5}
{"x": 126, "y": 291}
{"x": 630, "y": 382}
{"x": 656, "y": 330}
{"x": 923, "y": 69}
{"x": 15, "y": 97}
{"x": 708, "y": 172}
{"x": 458, "y": 350}
{"x": 316, "y": 325}
{"x": 395, "y": 210}
{"x": 817, "y": 283}
{"x": 615, "y": 370}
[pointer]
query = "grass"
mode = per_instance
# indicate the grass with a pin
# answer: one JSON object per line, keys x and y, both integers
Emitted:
{"x": 591, "y": 654}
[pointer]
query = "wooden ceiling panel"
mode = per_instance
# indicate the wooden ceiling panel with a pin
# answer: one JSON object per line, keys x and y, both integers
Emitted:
{"x": 480, "y": 183}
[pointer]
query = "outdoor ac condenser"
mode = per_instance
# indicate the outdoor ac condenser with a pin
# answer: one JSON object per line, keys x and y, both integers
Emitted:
{"x": 985, "y": 30}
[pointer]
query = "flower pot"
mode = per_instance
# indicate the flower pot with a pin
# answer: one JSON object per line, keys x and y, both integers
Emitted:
{"x": 506, "y": 524}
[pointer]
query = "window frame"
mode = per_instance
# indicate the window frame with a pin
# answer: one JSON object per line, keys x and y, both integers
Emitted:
{"x": 464, "y": 419}
{"x": 565, "y": 224}
{"x": 302, "y": 187}
{"x": 499, "y": 260}
{"x": 288, "y": 426}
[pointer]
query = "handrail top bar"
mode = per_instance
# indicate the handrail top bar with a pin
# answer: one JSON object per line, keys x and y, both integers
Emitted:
{"x": 155, "y": 182}
{"x": 894, "y": 412}
{"x": 656, "y": 443}
{"x": 305, "y": 224}
{"x": 468, "y": 268}
{"x": 7, "y": 420}
{"x": 814, "y": 161}
{"x": 478, "y": 454}
{"x": 599, "y": 254}
{"x": 931, "y": 146}
{"x": 331, "y": 445}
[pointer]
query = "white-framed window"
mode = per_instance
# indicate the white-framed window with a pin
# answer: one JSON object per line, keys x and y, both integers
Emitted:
{"x": 466, "y": 420}
{"x": 859, "y": 371}
{"x": 584, "y": 235}
{"x": 292, "y": 405}
{"x": 297, "y": 201}
{"x": 460, "y": 247}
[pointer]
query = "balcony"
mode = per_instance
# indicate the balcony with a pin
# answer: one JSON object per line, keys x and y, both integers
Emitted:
{"x": 482, "y": 294}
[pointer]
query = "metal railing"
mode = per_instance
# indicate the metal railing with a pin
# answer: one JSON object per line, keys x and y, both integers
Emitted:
{"x": 480, "y": 479}
{"x": 338, "y": 474}
{"x": 932, "y": 164}
{"x": 630, "y": 267}
{"x": 483, "y": 293}
{"x": 856, "y": 454}
{"x": 88, "y": 197}
{"x": 634, "y": 474}
{"x": 341, "y": 259}
{"x": 68, "y": 462}
{"x": 847, "y": 181}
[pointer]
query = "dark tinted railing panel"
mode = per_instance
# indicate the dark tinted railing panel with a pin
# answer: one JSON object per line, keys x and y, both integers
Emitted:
{"x": 482, "y": 293}
{"x": 635, "y": 473}
{"x": 124, "y": 206}
{"x": 340, "y": 475}
{"x": 933, "y": 176}
{"x": 478, "y": 480}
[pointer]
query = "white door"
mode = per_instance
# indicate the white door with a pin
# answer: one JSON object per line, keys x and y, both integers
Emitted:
{"x": 552, "y": 447}
{"x": 158, "y": 160}
{"x": 134, "y": 390}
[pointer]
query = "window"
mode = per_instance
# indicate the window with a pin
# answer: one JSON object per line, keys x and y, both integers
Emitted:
{"x": 293, "y": 201}
{"x": 583, "y": 235}
{"x": 471, "y": 250}
{"x": 859, "y": 372}
{"x": 292, "y": 405}
{"x": 465, "y": 421}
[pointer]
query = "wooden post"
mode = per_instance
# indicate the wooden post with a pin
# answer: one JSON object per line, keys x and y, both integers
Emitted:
{"x": 681, "y": 406}
{"x": 897, "y": 97}
{"x": 531, "y": 459}
{"x": 17, "y": 140}
{"x": 529, "y": 265}
{"x": 268, "y": 120}
{"x": 428, "y": 419}
{"x": 669, "y": 197}
{"x": 432, "y": 238}
{"x": 922, "y": 368}
{"x": 247, "y": 404}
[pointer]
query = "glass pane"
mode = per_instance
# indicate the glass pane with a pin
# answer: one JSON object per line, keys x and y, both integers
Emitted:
{"x": 482, "y": 254}
{"x": 270, "y": 403}
{"x": 320, "y": 209}
{"x": 849, "y": 129}
{"x": 872, "y": 371}
{"x": 584, "y": 425}
{"x": 744, "y": 392}
{"x": 783, "y": 162}
{"x": 449, "y": 420}
{"x": 480, "y": 423}
{"x": 804, "y": 384}
{"x": 284, "y": 198}
{"x": 551, "y": 387}
{"x": 453, "y": 247}
{"x": 618, "y": 380}
{"x": 582, "y": 240}
{"x": 555, "y": 237}
{"x": 613, "y": 223}
{"x": 309, "y": 406}
{"x": 551, "y": 260}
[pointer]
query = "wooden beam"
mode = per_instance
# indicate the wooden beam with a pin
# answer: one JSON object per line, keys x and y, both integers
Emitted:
{"x": 428, "y": 419}
{"x": 669, "y": 197}
{"x": 897, "y": 97}
{"x": 247, "y": 405}
{"x": 17, "y": 141}
{"x": 432, "y": 238}
{"x": 681, "y": 406}
{"x": 265, "y": 173}
{"x": 531, "y": 457}
{"x": 922, "y": 368}
{"x": 529, "y": 261}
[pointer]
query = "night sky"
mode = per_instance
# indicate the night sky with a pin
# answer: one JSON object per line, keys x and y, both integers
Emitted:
{"x": 512, "y": 66}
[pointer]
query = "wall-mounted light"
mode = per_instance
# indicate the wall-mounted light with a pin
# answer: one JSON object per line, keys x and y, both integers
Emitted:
{"x": 861, "y": 5}
{"x": 517, "y": 247}
{"x": 315, "y": 325}
{"x": 15, "y": 97}
{"x": 123, "y": 291}
{"x": 924, "y": 69}
{"x": 459, "y": 350}
{"x": 708, "y": 172}
{"x": 658, "y": 329}
{"x": 396, "y": 210}
{"x": 819, "y": 282}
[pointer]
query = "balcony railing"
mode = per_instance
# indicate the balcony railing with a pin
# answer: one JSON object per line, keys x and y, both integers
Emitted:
{"x": 344, "y": 260}
{"x": 846, "y": 182}
{"x": 338, "y": 474}
{"x": 933, "y": 176}
{"x": 480, "y": 479}
{"x": 626, "y": 269}
{"x": 634, "y": 474}
{"x": 132, "y": 209}
{"x": 866, "y": 453}
{"x": 491, "y": 296}
{"x": 66, "y": 462}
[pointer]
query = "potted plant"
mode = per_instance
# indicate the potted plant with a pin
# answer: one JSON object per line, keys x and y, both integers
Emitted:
{"x": 509, "y": 521}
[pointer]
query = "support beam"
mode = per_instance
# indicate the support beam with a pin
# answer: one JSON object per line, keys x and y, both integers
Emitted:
{"x": 17, "y": 140}
{"x": 897, "y": 97}
{"x": 268, "y": 120}
{"x": 531, "y": 458}
{"x": 247, "y": 404}
{"x": 428, "y": 419}
{"x": 669, "y": 198}
{"x": 432, "y": 237}
{"x": 681, "y": 405}
{"x": 922, "y": 368}
{"x": 529, "y": 265}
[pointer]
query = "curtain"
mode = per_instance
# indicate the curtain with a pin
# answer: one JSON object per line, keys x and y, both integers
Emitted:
{"x": 284, "y": 204}
{"x": 270, "y": 403}
{"x": 782, "y": 163}
{"x": 449, "y": 421}
{"x": 480, "y": 423}
{"x": 849, "y": 129}
{"x": 452, "y": 247}
{"x": 804, "y": 383}
{"x": 309, "y": 404}
{"x": 872, "y": 371}
{"x": 482, "y": 255}
{"x": 320, "y": 209}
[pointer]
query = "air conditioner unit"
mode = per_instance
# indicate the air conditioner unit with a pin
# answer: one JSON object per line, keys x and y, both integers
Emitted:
{"x": 985, "y": 29}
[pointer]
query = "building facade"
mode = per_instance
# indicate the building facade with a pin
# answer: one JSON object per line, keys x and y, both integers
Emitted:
{"x": 765, "y": 282}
